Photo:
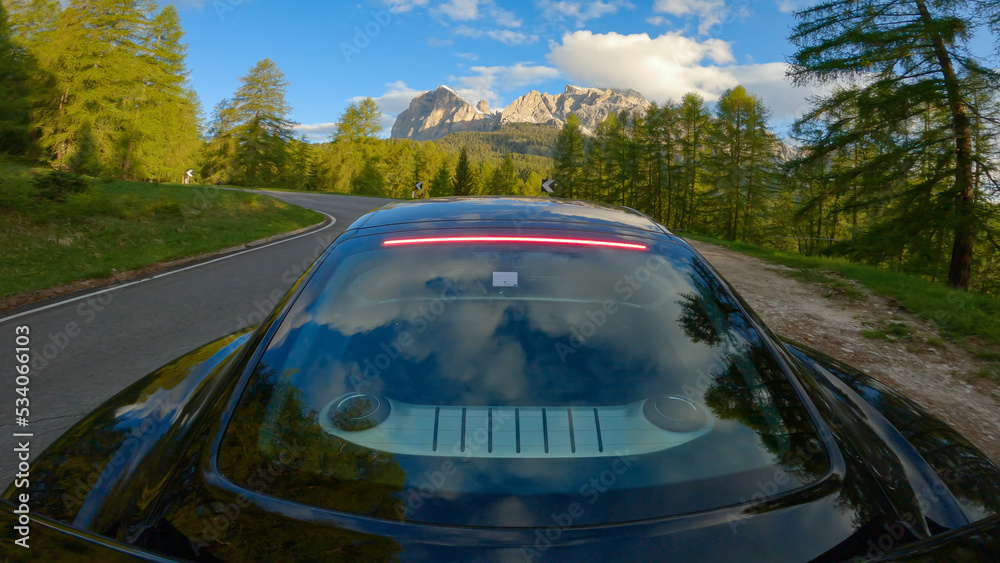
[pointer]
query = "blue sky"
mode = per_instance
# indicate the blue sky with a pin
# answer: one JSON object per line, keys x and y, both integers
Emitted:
{"x": 392, "y": 50}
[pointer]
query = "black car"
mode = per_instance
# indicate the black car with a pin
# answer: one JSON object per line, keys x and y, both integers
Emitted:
{"x": 509, "y": 380}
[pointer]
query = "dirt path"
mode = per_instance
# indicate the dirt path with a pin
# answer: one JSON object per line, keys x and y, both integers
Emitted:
{"x": 920, "y": 363}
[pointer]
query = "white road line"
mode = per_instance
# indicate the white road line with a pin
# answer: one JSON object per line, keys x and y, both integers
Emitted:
{"x": 333, "y": 221}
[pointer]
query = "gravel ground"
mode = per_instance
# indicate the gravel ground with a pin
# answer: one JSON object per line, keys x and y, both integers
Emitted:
{"x": 921, "y": 364}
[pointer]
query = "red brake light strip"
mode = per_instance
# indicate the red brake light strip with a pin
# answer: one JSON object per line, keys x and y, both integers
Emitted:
{"x": 530, "y": 240}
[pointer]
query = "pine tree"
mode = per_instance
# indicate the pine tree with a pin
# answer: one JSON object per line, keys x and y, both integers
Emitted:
{"x": 464, "y": 182}
{"x": 914, "y": 57}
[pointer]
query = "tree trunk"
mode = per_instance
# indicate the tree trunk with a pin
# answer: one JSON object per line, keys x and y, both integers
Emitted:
{"x": 961, "y": 251}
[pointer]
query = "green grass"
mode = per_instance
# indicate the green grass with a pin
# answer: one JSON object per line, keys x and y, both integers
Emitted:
{"x": 119, "y": 226}
{"x": 971, "y": 319}
{"x": 892, "y": 332}
{"x": 832, "y": 281}
{"x": 294, "y": 191}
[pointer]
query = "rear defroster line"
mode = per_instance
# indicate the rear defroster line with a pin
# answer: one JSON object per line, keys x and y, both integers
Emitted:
{"x": 388, "y": 425}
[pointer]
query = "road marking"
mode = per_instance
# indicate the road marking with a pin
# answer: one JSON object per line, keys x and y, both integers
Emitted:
{"x": 333, "y": 221}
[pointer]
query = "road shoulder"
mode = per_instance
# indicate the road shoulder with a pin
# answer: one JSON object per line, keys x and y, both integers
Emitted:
{"x": 63, "y": 290}
{"x": 920, "y": 363}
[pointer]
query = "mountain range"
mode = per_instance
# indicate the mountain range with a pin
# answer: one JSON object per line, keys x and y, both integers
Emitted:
{"x": 441, "y": 112}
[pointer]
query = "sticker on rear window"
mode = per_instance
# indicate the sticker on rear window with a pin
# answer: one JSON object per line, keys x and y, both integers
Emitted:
{"x": 504, "y": 279}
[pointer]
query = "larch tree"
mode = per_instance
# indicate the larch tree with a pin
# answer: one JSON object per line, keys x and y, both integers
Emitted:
{"x": 109, "y": 97}
{"x": 96, "y": 58}
{"x": 32, "y": 20}
{"x": 442, "y": 185}
{"x": 569, "y": 158}
{"x": 695, "y": 126}
{"x": 508, "y": 176}
{"x": 15, "y": 92}
{"x": 906, "y": 57}
{"x": 169, "y": 122}
{"x": 361, "y": 120}
{"x": 255, "y": 126}
{"x": 741, "y": 161}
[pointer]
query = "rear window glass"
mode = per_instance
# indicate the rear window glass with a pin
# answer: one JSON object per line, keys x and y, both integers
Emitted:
{"x": 496, "y": 383}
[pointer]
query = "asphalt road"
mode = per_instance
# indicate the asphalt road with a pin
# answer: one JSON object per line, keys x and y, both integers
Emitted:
{"x": 98, "y": 345}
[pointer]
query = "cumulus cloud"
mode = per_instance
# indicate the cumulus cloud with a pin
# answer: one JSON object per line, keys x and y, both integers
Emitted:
{"x": 316, "y": 131}
{"x": 580, "y": 12}
{"x": 711, "y": 14}
{"x": 484, "y": 85}
{"x": 669, "y": 66}
{"x": 396, "y": 98}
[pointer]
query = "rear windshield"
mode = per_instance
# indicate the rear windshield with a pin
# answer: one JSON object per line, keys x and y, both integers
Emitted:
{"x": 498, "y": 382}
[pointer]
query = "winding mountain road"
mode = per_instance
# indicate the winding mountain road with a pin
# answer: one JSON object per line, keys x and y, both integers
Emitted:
{"x": 95, "y": 343}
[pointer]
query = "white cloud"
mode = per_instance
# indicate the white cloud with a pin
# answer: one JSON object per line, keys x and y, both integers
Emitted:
{"x": 471, "y": 10}
{"x": 506, "y": 36}
{"x": 460, "y": 10}
{"x": 403, "y": 6}
{"x": 768, "y": 81}
{"x": 671, "y": 65}
{"x": 488, "y": 79}
{"x": 503, "y": 17}
{"x": 316, "y": 131}
{"x": 468, "y": 56}
{"x": 712, "y": 14}
{"x": 580, "y": 12}
{"x": 396, "y": 98}
{"x": 657, "y": 20}
{"x": 789, "y": 6}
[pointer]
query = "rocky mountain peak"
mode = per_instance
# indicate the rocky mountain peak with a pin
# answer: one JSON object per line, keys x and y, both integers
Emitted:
{"x": 433, "y": 115}
{"x": 591, "y": 106}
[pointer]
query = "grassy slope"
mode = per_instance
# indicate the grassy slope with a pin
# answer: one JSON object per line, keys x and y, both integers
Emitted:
{"x": 121, "y": 226}
{"x": 971, "y": 319}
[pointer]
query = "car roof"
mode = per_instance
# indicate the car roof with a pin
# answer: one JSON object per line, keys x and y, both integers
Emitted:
{"x": 516, "y": 210}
